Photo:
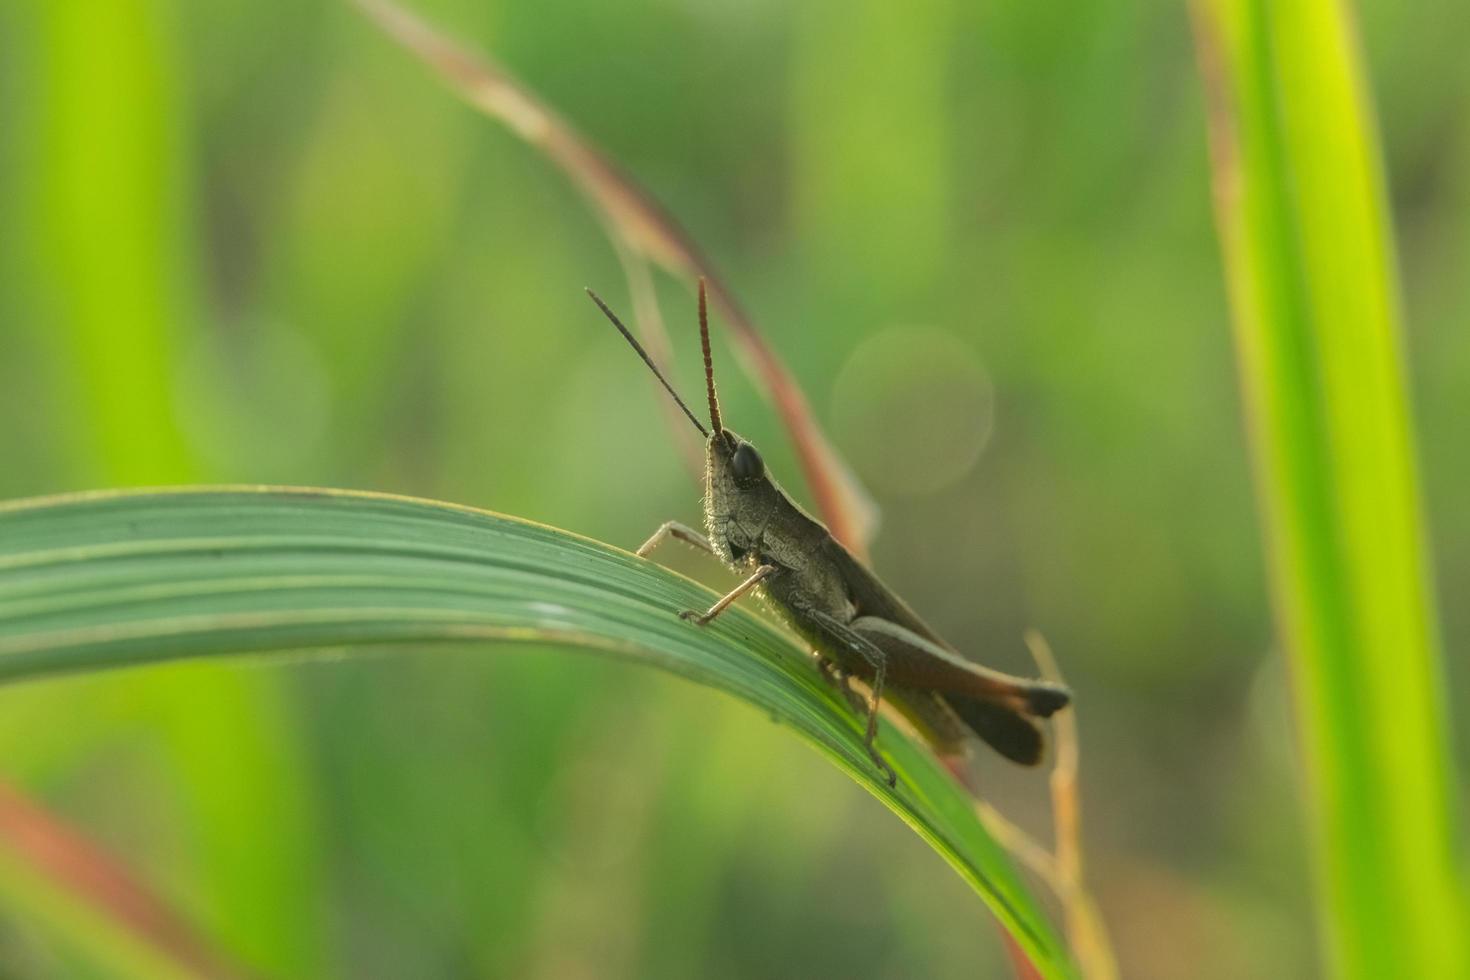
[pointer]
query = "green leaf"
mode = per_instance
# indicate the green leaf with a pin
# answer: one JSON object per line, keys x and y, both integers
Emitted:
{"x": 1309, "y": 258}
{"x": 113, "y": 579}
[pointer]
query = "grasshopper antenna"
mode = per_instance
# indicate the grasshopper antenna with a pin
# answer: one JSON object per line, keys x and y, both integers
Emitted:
{"x": 709, "y": 364}
{"x": 654, "y": 367}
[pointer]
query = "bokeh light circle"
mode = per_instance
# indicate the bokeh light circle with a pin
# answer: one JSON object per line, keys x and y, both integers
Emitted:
{"x": 913, "y": 408}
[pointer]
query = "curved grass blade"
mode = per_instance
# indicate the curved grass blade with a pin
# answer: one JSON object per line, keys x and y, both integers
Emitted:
{"x": 121, "y": 578}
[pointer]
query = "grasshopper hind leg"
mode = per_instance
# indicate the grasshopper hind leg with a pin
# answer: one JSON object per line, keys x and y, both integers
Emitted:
{"x": 877, "y": 659}
{"x": 834, "y": 674}
{"x": 870, "y": 742}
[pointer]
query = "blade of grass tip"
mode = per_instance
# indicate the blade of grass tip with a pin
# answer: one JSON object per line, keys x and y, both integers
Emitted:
{"x": 1062, "y": 872}
{"x": 1035, "y": 858}
{"x": 72, "y": 862}
{"x": 1304, "y": 235}
{"x": 1020, "y": 962}
{"x": 635, "y": 218}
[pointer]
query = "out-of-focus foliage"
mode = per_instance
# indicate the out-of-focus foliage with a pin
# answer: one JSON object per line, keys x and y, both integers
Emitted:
{"x": 253, "y": 242}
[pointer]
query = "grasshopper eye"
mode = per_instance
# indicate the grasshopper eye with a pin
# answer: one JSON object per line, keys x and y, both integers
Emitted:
{"x": 747, "y": 462}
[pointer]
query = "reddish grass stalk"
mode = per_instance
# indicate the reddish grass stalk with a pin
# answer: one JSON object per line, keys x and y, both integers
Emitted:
{"x": 642, "y": 227}
{"x": 97, "y": 878}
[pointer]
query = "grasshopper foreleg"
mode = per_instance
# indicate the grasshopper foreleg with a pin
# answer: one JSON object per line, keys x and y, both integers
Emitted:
{"x": 704, "y": 619}
{"x": 673, "y": 529}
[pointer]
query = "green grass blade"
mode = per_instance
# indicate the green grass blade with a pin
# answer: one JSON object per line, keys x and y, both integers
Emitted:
{"x": 106, "y": 580}
{"x": 117, "y": 235}
{"x": 1308, "y": 254}
{"x": 107, "y": 91}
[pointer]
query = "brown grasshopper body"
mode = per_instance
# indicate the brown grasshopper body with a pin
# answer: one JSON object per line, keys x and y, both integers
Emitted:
{"x": 856, "y": 624}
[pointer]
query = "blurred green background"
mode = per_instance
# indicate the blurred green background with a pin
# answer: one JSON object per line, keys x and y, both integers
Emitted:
{"x": 254, "y": 242}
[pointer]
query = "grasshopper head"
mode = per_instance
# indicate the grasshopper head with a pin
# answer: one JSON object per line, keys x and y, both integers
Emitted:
{"x": 739, "y": 494}
{"x": 734, "y": 469}
{"x": 737, "y": 489}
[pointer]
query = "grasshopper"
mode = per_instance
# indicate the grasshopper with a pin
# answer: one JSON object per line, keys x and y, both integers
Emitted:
{"x": 857, "y": 626}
